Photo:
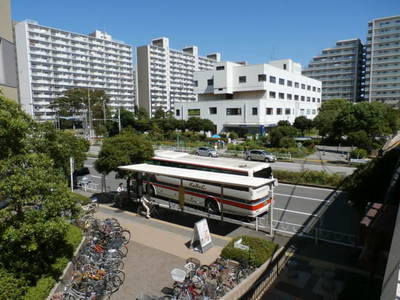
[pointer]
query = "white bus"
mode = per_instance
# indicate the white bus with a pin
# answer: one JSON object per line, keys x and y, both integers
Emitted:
{"x": 215, "y": 192}
{"x": 219, "y": 165}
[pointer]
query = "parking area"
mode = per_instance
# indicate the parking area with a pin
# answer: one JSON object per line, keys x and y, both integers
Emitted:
{"x": 155, "y": 249}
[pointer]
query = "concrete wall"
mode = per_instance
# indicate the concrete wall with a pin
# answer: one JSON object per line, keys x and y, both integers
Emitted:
{"x": 142, "y": 78}
{"x": 6, "y": 31}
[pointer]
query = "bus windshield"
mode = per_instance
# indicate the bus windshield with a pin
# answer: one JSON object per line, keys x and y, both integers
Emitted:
{"x": 264, "y": 173}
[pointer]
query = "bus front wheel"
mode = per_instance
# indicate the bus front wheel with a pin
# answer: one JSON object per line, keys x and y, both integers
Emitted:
{"x": 212, "y": 206}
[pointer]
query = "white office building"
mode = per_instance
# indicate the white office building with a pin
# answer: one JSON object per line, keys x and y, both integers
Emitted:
{"x": 51, "y": 61}
{"x": 236, "y": 95}
{"x": 382, "y": 74}
{"x": 165, "y": 76}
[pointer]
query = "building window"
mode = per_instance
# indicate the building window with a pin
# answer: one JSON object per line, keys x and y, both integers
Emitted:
{"x": 178, "y": 112}
{"x": 268, "y": 110}
{"x": 281, "y": 81}
{"x": 213, "y": 110}
{"x": 272, "y": 79}
{"x": 272, "y": 95}
{"x": 281, "y": 96}
{"x": 279, "y": 111}
{"x": 302, "y": 112}
{"x": 254, "y": 111}
{"x": 318, "y": 90}
{"x": 284, "y": 66}
{"x": 287, "y": 111}
{"x": 220, "y": 68}
{"x": 262, "y": 77}
{"x": 313, "y": 99}
{"x": 289, "y": 83}
{"x": 318, "y": 100}
{"x": 308, "y": 87}
{"x": 296, "y": 97}
{"x": 210, "y": 82}
{"x": 194, "y": 112}
{"x": 308, "y": 111}
{"x": 314, "y": 111}
{"x": 303, "y": 86}
{"x": 195, "y": 83}
{"x": 302, "y": 98}
{"x": 242, "y": 79}
{"x": 233, "y": 111}
{"x": 289, "y": 96}
{"x": 296, "y": 85}
{"x": 308, "y": 99}
{"x": 314, "y": 88}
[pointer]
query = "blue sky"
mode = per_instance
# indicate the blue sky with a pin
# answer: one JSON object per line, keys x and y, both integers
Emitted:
{"x": 254, "y": 31}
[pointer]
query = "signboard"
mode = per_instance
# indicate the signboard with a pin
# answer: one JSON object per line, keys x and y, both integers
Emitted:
{"x": 201, "y": 240}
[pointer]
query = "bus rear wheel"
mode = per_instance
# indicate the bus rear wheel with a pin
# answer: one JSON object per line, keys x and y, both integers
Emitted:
{"x": 212, "y": 206}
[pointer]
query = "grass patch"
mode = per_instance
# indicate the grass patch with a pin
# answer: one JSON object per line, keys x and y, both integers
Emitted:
{"x": 260, "y": 251}
{"x": 320, "y": 178}
{"x": 41, "y": 290}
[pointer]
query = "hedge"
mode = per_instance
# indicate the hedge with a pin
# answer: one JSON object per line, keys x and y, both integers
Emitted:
{"x": 81, "y": 199}
{"x": 320, "y": 178}
{"x": 41, "y": 290}
{"x": 11, "y": 287}
{"x": 260, "y": 251}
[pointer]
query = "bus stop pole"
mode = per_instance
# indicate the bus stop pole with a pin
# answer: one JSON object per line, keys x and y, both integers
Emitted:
{"x": 271, "y": 208}
{"x": 222, "y": 203}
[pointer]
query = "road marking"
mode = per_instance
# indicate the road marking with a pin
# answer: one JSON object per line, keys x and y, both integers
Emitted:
{"x": 307, "y": 198}
{"x": 165, "y": 222}
{"x": 296, "y": 212}
{"x": 94, "y": 158}
{"x": 309, "y": 187}
{"x": 95, "y": 176}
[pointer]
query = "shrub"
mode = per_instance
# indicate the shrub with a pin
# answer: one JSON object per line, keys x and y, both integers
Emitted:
{"x": 41, "y": 290}
{"x": 358, "y": 153}
{"x": 260, "y": 251}
{"x": 83, "y": 200}
{"x": 310, "y": 177}
{"x": 73, "y": 236}
{"x": 11, "y": 287}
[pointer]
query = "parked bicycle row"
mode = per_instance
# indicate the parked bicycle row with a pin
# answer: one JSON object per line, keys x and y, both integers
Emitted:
{"x": 201, "y": 282}
{"x": 97, "y": 268}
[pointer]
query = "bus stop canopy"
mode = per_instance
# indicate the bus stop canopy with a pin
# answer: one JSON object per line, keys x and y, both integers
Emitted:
{"x": 218, "y": 178}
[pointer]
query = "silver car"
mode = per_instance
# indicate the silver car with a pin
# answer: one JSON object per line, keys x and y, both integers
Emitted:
{"x": 205, "y": 151}
{"x": 260, "y": 155}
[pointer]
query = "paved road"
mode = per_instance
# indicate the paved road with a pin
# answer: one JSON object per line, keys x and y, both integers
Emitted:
{"x": 295, "y": 206}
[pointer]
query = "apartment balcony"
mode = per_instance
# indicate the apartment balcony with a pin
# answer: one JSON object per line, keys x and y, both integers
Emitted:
{"x": 386, "y": 61}
{"x": 385, "y": 33}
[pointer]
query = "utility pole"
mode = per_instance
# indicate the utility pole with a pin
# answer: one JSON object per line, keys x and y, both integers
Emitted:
{"x": 119, "y": 120}
{"x": 90, "y": 116}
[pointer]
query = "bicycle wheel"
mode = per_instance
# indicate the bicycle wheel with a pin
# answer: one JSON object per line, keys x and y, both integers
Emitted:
{"x": 126, "y": 235}
{"x": 124, "y": 250}
{"x": 112, "y": 284}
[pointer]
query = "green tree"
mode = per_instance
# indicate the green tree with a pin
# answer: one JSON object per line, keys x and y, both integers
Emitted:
{"x": 159, "y": 113}
{"x": 327, "y": 114}
{"x": 282, "y": 136}
{"x": 283, "y": 123}
{"x": 126, "y": 148}
{"x": 14, "y": 128}
{"x": 302, "y": 123}
{"x": 80, "y": 101}
{"x": 32, "y": 227}
{"x": 360, "y": 139}
{"x": 59, "y": 146}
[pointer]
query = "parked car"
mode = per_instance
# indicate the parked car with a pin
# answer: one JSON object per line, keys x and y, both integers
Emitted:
{"x": 260, "y": 155}
{"x": 205, "y": 151}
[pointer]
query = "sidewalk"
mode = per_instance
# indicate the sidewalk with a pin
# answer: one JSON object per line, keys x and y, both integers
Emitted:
{"x": 155, "y": 249}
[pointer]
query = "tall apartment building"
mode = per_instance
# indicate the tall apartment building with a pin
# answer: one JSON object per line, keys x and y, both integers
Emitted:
{"x": 382, "y": 74}
{"x": 8, "y": 65}
{"x": 252, "y": 97}
{"x": 165, "y": 76}
{"x": 51, "y": 61}
{"x": 340, "y": 70}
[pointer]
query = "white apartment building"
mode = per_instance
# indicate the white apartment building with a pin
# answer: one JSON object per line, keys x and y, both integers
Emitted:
{"x": 51, "y": 61}
{"x": 382, "y": 73}
{"x": 165, "y": 76}
{"x": 236, "y": 95}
